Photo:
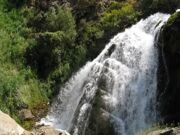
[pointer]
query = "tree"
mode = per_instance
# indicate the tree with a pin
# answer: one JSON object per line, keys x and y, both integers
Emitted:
{"x": 55, "y": 42}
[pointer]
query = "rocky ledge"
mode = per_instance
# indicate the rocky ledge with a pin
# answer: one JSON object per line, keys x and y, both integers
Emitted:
{"x": 8, "y": 126}
{"x": 166, "y": 131}
{"x": 47, "y": 130}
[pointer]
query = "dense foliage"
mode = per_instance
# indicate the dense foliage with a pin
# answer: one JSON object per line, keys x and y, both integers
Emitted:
{"x": 63, "y": 34}
{"x": 19, "y": 86}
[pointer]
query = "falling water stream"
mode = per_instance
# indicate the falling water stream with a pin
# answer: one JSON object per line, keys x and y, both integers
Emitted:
{"x": 124, "y": 79}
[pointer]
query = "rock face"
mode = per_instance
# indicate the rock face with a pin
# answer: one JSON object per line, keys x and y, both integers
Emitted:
{"x": 170, "y": 95}
{"x": 167, "y": 131}
{"x": 8, "y": 126}
{"x": 100, "y": 122}
{"x": 100, "y": 119}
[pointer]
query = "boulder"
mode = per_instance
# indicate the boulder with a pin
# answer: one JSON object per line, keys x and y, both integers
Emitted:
{"x": 8, "y": 126}
{"x": 47, "y": 130}
{"x": 26, "y": 114}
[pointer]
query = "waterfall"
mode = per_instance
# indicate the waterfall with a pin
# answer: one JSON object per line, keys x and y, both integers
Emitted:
{"x": 118, "y": 87}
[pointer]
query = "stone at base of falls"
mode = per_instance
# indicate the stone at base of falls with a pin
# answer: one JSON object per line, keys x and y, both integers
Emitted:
{"x": 47, "y": 130}
{"x": 166, "y": 131}
{"x": 8, "y": 126}
{"x": 26, "y": 114}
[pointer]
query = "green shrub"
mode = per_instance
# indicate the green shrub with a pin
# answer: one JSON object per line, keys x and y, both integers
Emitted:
{"x": 119, "y": 18}
{"x": 96, "y": 33}
{"x": 18, "y": 89}
{"x": 60, "y": 19}
{"x": 19, "y": 86}
{"x": 91, "y": 32}
{"x": 8, "y": 86}
{"x": 86, "y": 9}
{"x": 53, "y": 45}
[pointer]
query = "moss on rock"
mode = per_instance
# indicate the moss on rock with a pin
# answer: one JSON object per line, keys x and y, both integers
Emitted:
{"x": 173, "y": 19}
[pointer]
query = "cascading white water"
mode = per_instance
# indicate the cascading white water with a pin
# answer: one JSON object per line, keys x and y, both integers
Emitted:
{"x": 128, "y": 64}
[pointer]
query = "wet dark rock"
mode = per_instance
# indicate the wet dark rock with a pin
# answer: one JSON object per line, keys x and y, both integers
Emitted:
{"x": 170, "y": 79}
{"x": 111, "y": 49}
{"x": 100, "y": 120}
{"x": 166, "y": 132}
